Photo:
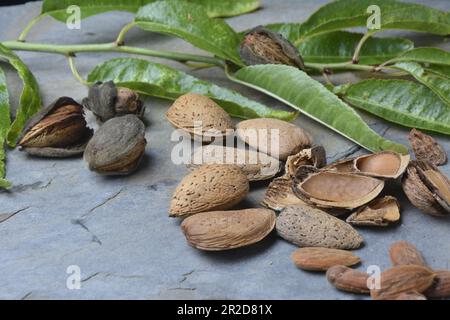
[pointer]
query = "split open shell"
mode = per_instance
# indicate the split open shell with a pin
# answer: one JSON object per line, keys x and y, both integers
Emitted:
{"x": 256, "y": 165}
{"x": 338, "y": 190}
{"x": 314, "y": 156}
{"x": 379, "y": 212}
{"x": 386, "y": 164}
{"x": 279, "y": 194}
{"x": 200, "y": 116}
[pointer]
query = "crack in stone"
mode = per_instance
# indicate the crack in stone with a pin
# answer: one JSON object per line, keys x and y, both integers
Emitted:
{"x": 25, "y": 297}
{"x": 186, "y": 275}
{"x": 82, "y": 224}
{"x": 110, "y": 274}
{"x": 8, "y": 215}
{"x": 38, "y": 185}
{"x": 180, "y": 288}
{"x": 104, "y": 202}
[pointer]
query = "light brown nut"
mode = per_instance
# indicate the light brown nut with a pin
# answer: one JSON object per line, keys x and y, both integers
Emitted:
{"x": 405, "y": 253}
{"x": 426, "y": 148}
{"x": 441, "y": 286}
{"x": 223, "y": 230}
{"x": 386, "y": 164}
{"x": 279, "y": 194}
{"x": 259, "y": 134}
{"x": 401, "y": 279}
{"x": 347, "y": 279}
{"x": 338, "y": 190}
{"x": 209, "y": 188}
{"x": 380, "y": 212}
{"x": 199, "y": 116}
{"x": 412, "y": 295}
{"x": 256, "y": 165}
{"x": 321, "y": 259}
{"x": 306, "y": 226}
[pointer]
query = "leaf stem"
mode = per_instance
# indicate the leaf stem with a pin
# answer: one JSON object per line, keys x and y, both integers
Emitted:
{"x": 365, "y": 37}
{"x": 120, "y": 41}
{"x": 75, "y": 71}
{"x": 30, "y": 25}
{"x": 109, "y": 47}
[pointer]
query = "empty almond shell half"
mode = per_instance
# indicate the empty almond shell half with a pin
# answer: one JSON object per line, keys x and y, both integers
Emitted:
{"x": 256, "y": 165}
{"x": 224, "y": 230}
{"x": 209, "y": 188}
{"x": 379, "y": 213}
{"x": 274, "y": 137}
{"x": 200, "y": 116}
{"x": 386, "y": 164}
{"x": 338, "y": 190}
{"x": 427, "y": 188}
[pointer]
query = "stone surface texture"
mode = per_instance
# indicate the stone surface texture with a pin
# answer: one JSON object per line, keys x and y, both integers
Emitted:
{"x": 117, "y": 230}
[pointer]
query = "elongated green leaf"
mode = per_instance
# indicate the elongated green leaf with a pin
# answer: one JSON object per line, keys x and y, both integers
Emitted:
{"x": 437, "y": 83}
{"x": 297, "y": 89}
{"x": 162, "y": 81}
{"x": 224, "y": 8}
{"x": 191, "y": 23}
{"x": 425, "y": 55}
{"x": 291, "y": 31}
{"x": 403, "y": 102}
{"x": 443, "y": 71}
{"x": 339, "y": 46}
{"x": 5, "y": 122}
{"x": 30, "y": 100}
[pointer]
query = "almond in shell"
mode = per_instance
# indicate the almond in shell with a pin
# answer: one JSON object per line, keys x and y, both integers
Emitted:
{"x": 199, "y": 116}
{"x": 402, "y": 279}
{"x": 348, "y": 279}
{"x": 321, "y": 259}
{"x": 279, "y": 194}
{"x": 274, "y": 137}
{"x": 209, "y": 188}
{"x": 426, "y": 148}
{"x": 224, "y": 230}
{"x": 306, "y": 226}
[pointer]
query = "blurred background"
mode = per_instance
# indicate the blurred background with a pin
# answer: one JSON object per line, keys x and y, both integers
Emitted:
{"x": 11, "y": 2}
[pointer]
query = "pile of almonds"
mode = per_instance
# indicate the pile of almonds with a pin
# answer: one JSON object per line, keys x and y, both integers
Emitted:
{"x": 312, "y": 198}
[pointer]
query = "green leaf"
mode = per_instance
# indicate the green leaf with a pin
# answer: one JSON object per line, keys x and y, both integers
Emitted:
{"x": 191, "y": 23}
{"x": 425, "y": 55}
{"x": 30, "y": 100}
{"x": 443, "y": 71}
{"x": 403, "y": 102}
{"x": 224, "y": 8}
{"x": 339, "y": 46}
{"x": 298, "y": 90}
{"x": 162, "y": 81}
{"x": 437, "y": 83}
{"x": 291, "y": 31}
{"x": 5, "y": 122}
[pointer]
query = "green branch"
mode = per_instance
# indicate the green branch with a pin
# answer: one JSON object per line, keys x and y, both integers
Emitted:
{"x": 30, "y": 25}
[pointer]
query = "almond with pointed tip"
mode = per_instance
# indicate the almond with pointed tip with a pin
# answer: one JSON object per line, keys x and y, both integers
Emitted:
{"x": 405, "y": 253}
{"x": 224, "y": 230}
{"x": 274, "y": 137}
{"x": 347, "y": 279}
{"x": 209, "y": 188}
{"x": 321, "y": 259}
{"x": 200, "y": 116}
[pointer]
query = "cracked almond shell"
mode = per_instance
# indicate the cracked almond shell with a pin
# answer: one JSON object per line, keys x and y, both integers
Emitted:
{"x": 343, "y": 165}
{"x": 117, "y": 147}
{"x": 209, "y": 188}
{"x": 58, "y": 130}
{"x": 256, "y": 165}
{"x": 260, "y": 133}
{"x": 426, "y": 148}
{"x": 306, "y": 226}
{"x": 386, "y": 164}
{"x": 279, "y": 194}
{"x": 379, "y": 212}
{"x": 427, "y": 188}
{"x": 338, "y": 190}
{"x": 200, "y": 116}
{"x": 315, "y": 156}
{"x": 224, "y": 230}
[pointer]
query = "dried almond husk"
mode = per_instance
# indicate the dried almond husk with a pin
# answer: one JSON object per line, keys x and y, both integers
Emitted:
{"x": 314, "y": 156}
{"x": 402, "y": 279}
{"x": 58, "y": 130}
{"x": 321, "y": 259}
{"x": 224, "y": 230}
{"x": 427, "y": 188}
{"x": 426, "y": 148}
{"x": 379, "y": 212}
{"x": 256, "y": 165}
{"x": 279, "y": 194}
{"x": 348, "y": 279}
{"x": 274, "y": 137}
{"x": 405, "y": 253}
{"x": 200, "y": 116}
{"x": 338, "y": 190}
{"x": 386, "y": 164}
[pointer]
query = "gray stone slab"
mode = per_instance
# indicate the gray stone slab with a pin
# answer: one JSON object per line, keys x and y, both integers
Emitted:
{"x": 117, "y": 229}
